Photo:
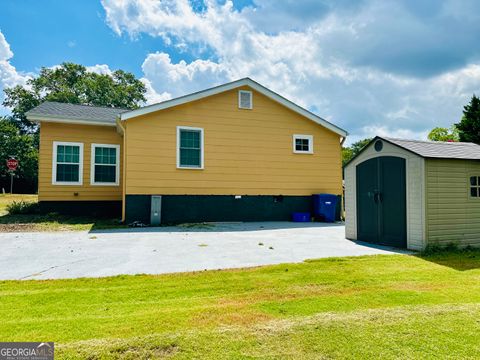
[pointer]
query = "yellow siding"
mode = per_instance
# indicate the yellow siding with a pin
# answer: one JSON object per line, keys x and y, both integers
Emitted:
{"x": 452, "y": 215}
{"x": 247, "y": 152}
{"x": 86, "y": 134}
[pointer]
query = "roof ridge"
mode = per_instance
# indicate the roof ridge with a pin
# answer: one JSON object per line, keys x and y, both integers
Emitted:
{"x": 431, "y": 141}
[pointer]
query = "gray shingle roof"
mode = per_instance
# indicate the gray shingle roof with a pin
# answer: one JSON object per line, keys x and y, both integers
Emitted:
{"x": 438, "y": 149}
{"x": 66, "y": 111}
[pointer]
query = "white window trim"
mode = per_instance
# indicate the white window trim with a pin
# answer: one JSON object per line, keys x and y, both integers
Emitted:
{"x": 310, "y": 143}
{"x": 117, "y": 165}
{"x": 54, "y": 163}
{"x": 179, "y": 128}
{"x": 240, "y": 92}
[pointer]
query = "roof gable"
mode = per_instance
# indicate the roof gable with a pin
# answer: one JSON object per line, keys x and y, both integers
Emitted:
{"x": 231, "y": 86}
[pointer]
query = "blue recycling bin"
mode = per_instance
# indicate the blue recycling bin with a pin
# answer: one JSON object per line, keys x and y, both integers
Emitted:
{"x": 324, "y": 206}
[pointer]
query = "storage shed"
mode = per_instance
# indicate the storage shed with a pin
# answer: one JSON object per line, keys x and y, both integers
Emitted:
{"x": 410, "y": 194}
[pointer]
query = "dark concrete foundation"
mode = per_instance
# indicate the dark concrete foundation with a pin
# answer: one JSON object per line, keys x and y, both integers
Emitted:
{"x": 209, "y": 208}
{"x": 103, "y": 209}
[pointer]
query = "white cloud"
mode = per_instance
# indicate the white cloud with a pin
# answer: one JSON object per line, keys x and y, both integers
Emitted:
{"x": 370, "y": 66}
{"x": 101, "y": 69}
{"x": 182, "y": 78}
{"x": 9, "y": 76}
{"x": 152, "y": 96}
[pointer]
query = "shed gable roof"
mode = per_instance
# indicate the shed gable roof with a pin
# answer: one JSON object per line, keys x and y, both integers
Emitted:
{"x": 227, "y": 87}
{"x": 439, "y": 149}
{"x": 430, "y": 149}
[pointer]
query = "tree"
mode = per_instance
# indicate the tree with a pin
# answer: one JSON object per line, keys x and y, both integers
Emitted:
{"x": 73, "y": 83}
{"x": 444, "y": 134}
{"x": 350, "y": 152}
{"x": 70, "y": 83}
{"x": 469, "y": 126}
{"x": 24, "y": 147}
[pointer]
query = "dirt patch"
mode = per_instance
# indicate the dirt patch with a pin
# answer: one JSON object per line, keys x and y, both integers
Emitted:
{"x": 134, "y": 348}
{"x": 18, "y": 227}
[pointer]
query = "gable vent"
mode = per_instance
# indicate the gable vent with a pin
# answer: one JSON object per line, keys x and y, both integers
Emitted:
{"x": 245, "y": 99}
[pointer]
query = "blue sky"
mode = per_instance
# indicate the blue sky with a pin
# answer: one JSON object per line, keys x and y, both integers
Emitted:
{"x": 383, "y": 67}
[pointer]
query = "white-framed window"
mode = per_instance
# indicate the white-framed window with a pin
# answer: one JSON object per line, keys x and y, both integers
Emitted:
{"x": 303, "y": 144}
{"x": 245, "y": 99}
{"x": 105, "y": 165}
{"x": 67, "y": 167}
{"x": 189, "y": 147}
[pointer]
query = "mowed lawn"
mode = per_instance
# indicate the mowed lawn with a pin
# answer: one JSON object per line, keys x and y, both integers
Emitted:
{"x": 373, "y": 307}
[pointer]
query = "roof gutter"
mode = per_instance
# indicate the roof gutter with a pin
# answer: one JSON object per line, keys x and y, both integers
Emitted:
{"x": 67, "y": 120}
{"x": 120, "y": 127}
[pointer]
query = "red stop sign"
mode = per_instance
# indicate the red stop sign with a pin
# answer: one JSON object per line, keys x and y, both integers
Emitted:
{"x": 12, "y": 164}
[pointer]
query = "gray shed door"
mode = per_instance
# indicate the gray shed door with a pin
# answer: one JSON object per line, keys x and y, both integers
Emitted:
{"x": 381, "y": 201}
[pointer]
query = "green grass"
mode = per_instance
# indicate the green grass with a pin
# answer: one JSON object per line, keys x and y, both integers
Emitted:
{"x": 6, "y": 199}
{"x": 47, "y": 222}
{"x": 385, "y": 307}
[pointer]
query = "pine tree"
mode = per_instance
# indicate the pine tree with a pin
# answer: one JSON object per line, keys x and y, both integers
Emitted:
{"x": 469, "y": 126}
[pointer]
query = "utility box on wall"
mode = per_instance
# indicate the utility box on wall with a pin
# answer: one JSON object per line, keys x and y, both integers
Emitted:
{"x": 156, "y": 210}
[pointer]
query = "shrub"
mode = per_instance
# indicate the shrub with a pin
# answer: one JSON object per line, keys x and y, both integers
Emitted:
{"x": 22, "y": 207}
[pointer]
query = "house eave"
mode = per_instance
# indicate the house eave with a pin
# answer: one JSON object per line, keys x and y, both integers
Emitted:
{"x": 68, "y": 120}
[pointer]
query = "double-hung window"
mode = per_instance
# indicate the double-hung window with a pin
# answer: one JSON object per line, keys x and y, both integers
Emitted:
{"x": 475, "y": 186}
{"x": 303, "y": 144}
{"x": 67, "y": 167}
{"x": 105, "y": 164}
{"x": 189, "y": 147}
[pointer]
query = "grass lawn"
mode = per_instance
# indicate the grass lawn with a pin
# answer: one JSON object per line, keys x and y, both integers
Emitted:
{"x": 368, "y": 307}
{"x": 6, "y": 199}
{"x": 47, "y": 222}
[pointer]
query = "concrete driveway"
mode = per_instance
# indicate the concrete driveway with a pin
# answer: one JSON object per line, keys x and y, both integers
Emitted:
{"x": 172, "y": 249}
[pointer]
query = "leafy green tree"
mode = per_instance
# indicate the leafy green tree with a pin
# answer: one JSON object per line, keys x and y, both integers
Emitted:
{"x": 73, "y": 83}
{"x": 350, "y": 152}
{"x": 24, "y": 147}
{"x": 469, "y": 126}
{"x": 444, "y": 134}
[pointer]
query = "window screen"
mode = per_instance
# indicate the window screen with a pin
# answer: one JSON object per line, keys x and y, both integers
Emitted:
{"x": 105, "y": 164}
{"x": 190, "y": 148}
{"x": 302, "y": 145}
{"x": 68, "y": 163}
{"x": 244, "y": 99}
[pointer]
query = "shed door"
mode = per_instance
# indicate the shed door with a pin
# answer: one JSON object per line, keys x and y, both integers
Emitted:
{"x": 381, "y": 201}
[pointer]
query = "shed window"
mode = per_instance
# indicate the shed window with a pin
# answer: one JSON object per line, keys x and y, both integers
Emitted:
{"x": 189, "y": 148}
{"x": 105, "y": 164}
{"x": 303, "y": 144}
{"x": 475, "y": 186}
{"x": 67, "y": 163}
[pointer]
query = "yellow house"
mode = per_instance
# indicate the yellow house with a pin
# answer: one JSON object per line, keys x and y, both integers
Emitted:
{"x": 238, "y": 151}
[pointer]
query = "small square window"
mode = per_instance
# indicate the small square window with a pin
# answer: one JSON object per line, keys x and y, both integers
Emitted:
{"x": 475, "y": 186}
{"x": 303, "y": 144}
